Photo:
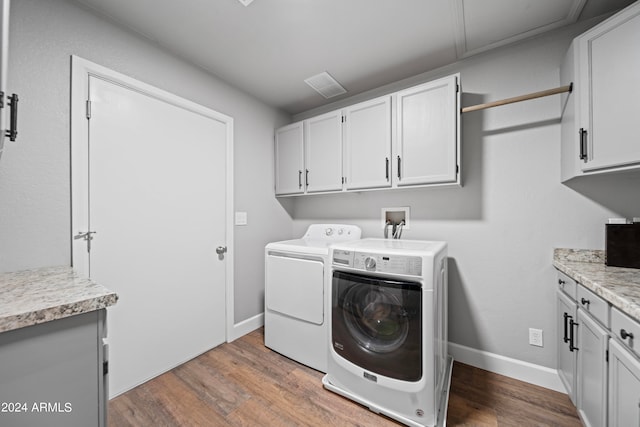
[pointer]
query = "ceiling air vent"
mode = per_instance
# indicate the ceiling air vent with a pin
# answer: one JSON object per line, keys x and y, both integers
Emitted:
{"x": 325, "y": 85}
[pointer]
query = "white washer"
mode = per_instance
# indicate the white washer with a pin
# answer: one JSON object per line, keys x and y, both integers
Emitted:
{"x": 388, "y": 328}
{"x": 296, "y": 288}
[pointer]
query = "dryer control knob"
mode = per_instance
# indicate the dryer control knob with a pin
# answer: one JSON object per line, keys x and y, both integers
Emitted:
{"x": 370, "y": 263}
{"x": 328, "y": 231}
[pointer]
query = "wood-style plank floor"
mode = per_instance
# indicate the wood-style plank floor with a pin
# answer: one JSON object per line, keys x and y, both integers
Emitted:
{"x": 243, "y": 383}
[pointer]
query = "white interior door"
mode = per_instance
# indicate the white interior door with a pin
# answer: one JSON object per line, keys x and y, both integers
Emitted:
{"x": 157, "y": 199}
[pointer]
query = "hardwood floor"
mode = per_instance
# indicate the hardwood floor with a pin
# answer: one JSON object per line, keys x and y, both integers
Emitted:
{"x": 243, "y": 383}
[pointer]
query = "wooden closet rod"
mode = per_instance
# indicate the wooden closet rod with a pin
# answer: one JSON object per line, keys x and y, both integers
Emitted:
{"x": 534, "y": 95}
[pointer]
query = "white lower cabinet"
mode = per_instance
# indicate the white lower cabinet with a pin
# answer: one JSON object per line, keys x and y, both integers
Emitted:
{"x": 567, "y": 354}
{"x": 583, "y": 320}
{"x": 624, "y": 387}
{"x": 591, "y": 370}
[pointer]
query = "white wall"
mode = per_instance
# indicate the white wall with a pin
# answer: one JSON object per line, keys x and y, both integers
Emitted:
{"x": 512, "y": 211}
{"x": 34, "y": 171}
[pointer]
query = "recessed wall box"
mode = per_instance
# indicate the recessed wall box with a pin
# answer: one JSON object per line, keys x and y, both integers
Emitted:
{"x": 396, "y": 216}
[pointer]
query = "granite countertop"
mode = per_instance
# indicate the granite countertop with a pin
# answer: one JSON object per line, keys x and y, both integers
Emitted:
{"x": 619, "y": 286}
{"x": 36, "y": 296}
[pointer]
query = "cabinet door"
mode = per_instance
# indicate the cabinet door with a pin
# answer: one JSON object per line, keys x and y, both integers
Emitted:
{"x": 624, "y": 387}
{"x": 567, "y": 356}
{"x": 609, "y": 86}
{"x": 4, "y": 55}
{"x": 57, "y": 364}
{"x": 367, "y": 134}
{"x": 427, "y": 143}
{"x": 289, "y": 159}
{"x": 592, "y": 371}
{"x": 323, "y": 152}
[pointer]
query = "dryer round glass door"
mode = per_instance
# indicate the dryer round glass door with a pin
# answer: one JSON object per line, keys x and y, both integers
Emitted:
{"x": 376, "y": 324}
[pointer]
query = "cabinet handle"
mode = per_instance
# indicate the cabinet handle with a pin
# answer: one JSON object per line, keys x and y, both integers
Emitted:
{"x": 561, "y": 283}
{"x": 583, "y": 144}
{"x": 585, "y": 302}
{"x": 306, "y": 178}
{"x": 299, "y": 179}
{"x": 399, "y": 162}
{"x": 624, "y": 334}
{"x": 12, "y": 132}
{"x": 386, "y": 173}
{"x": 566, "y": 328}
{"x": 571, "y": 335}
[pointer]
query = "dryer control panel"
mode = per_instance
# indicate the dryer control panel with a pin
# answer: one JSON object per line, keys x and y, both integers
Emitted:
{"x": 382, "y": 263}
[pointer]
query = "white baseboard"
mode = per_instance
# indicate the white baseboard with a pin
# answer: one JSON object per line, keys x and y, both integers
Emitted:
{"x": 514, "y": 368}
{"x": 246, "y": 326}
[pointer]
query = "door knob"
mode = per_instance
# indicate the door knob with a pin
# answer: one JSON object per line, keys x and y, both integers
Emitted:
{"x": 221, "y": 249}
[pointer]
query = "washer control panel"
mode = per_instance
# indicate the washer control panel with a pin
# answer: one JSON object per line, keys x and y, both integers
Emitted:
{"x": 382, "y": 263}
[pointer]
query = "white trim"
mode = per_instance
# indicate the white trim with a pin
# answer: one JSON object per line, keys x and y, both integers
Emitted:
{"x": 81, "y": 69}
{"x": 243, "y": 328}
{"x": 460, "y": 32}
{"x": 513, "y": 368}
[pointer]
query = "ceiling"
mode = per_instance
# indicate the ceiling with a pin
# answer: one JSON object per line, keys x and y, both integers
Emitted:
{"x": 269, "y": 47}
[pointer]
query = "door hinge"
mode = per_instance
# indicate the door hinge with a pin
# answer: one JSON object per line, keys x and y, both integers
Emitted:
{"x": 105, "y": 367}
{"x": 88, "y": 109}
{"x": 344, "y": 119}
{"x": 606, "y": 355}
{"x": 87, "y": 236}
{"x": 1, "y": 99}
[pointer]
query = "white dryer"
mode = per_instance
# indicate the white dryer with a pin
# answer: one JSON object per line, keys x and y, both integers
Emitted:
{"x": 296, "y": 293}
{"x": 388, "y": 328}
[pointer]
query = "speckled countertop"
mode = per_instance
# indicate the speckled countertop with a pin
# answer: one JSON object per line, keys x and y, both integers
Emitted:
{"x": 36, "y": 296}
{"x": 619, "y": 286}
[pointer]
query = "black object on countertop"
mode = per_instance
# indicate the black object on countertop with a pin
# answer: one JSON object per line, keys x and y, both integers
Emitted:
{"x": 622, "y": 243}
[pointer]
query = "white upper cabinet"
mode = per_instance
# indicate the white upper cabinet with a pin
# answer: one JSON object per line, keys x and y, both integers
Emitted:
{"x": 289, "y": 159}
{"x": 427, "y": 145}
{"x": 323, "y": 152}
{"x": 4, "y": 56}
{"x": 610, "y": 82}
{"x": 599, "y": 132}
{"x": 409, "y": 138}
{"x": 367, "y": 142}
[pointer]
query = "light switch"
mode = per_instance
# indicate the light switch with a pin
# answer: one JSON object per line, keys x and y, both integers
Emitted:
{"x": 241, "y": 218}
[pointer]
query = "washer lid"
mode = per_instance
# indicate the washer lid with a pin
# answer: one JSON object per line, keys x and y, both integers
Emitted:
{"x": 317, "y": 239}
{"x": 301, "y": 246}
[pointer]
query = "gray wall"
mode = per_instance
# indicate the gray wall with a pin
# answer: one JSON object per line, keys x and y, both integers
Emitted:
{"x": 34, "y": 172}
{"x": 512, "y": 211}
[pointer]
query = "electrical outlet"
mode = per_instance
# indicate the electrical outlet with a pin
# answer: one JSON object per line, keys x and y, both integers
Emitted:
{"x": 535, "y": 337}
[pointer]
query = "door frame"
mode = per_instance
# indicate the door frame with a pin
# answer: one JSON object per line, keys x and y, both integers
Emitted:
{"x": 81, "y": 70}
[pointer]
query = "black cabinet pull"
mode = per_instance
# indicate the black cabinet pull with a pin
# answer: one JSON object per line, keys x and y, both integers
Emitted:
{"x": 583, "y": 144}
{"x": 306, "y": 178}
{"x": 299, "y": 179}
{"x": 566, "y": 328}
{"x": 386, "y": 173}
{"x": 399, "y": 162}
{"x": 584, "y": 301}
{"x": 12, "y": 132}
{"x": 624, "y": 334}
{"x": 571, "y": 335}
{"x": 561, "y": 283}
